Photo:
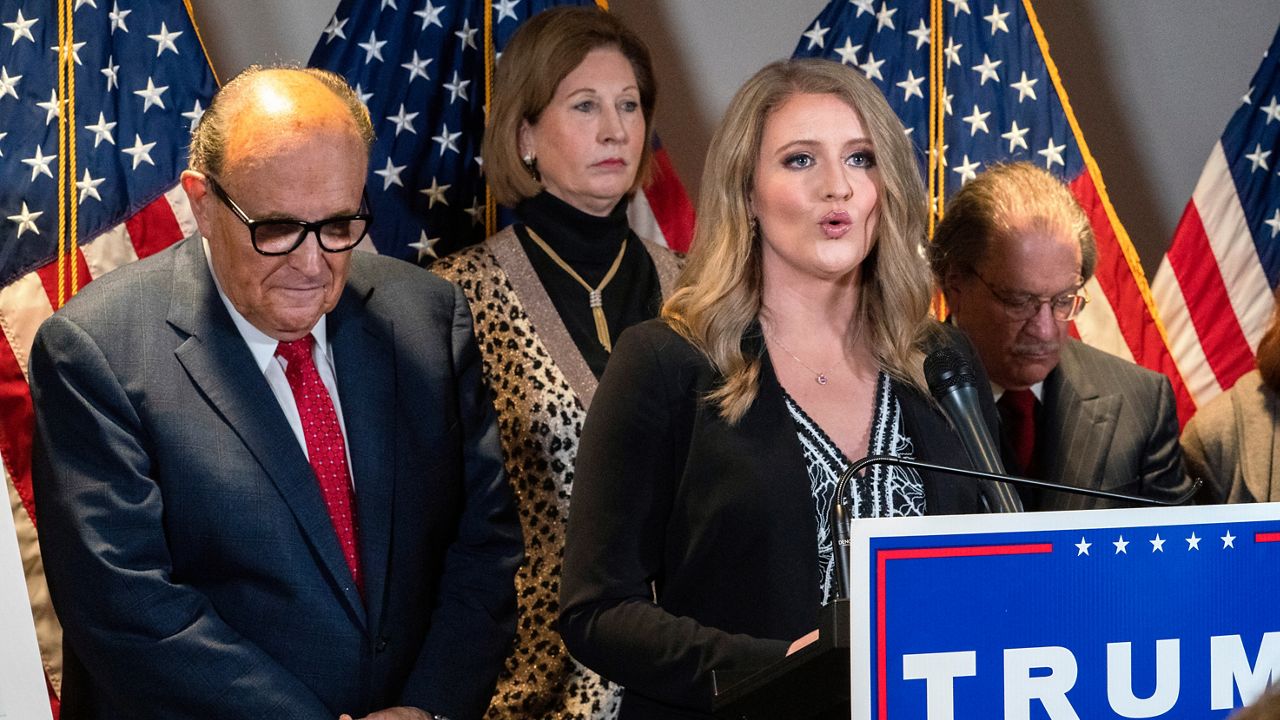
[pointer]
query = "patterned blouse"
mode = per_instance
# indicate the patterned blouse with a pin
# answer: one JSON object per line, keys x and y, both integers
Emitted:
{"x": 883, "y": 490}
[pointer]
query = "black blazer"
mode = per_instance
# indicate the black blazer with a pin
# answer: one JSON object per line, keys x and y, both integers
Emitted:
{"x": 189, "y": 554}
{"x": 692, "y": 543}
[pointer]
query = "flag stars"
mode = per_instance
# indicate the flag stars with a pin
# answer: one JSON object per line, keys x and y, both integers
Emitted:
{"x": 74, "y": 51}
{"x": 467, "y": 34}
{"x": 815, "y": 35}
{"x": 26, "y": 220}
{"x": 426, "y": 246}
{"x": 475, "y": 211}
{"x": 430, "y": 15}
{"x": 8, "y": 83}
{"x": 140, "y": 152}
{"x": 334, "y": 29}
{"x": 1052, "y": 154}
{"x": 388, "y": 4}
{"x": 1272, "y": 110}
{"x": 921, "y": 34}
{"x": 848, "y": 52}
{"x": 1016, "y": 137}
{"x": 959, "y": 5}
{"x": 1025, "y": 87}
{"x": 164, "y": 40}
{"x": 506, "y": 9}
{"x": 111, "y": 71}
{"x": 884, "y": 18}
{"x": 403, "y": 120}
{"x": 1259, "y": 158}
{"x": 952, "y": 51}
{"x": 435, "y": 194}
{"x": 1082, "y": 547}
{"x": 390, "y": 174}
{"x": 21, "y": 28}
{"x": 1193, "y": 542}
{"x": 194, "y": 114}
{"x": 987, "y": 69}
{"x": 1157, "y": 544}
{"x": 117, "y": 17}
{"x": 864, "y": 6}
{"x": 52, "y": 107}
{"x": 39, "y": 163}
{"x": 447, "y": 140}
{"x": 871, "y": 68}
{"x": 88, "y": 187}
{"x": 1122, "y": 545}
{"x": 417, "y": 67}
{"x": 457, "y": 88}
{"x": 1274, "y": 223}
{"x": 102, "y": 130}
{"x": 911, "y": 86}
{"x": 977, "y": 120}
{"x": 997, "y": 20}
{"x": 372, "y": 48}
{"x": 151, "y": 95}
{"x": 967, "y": 170}
{"x": 1228, "y": 540}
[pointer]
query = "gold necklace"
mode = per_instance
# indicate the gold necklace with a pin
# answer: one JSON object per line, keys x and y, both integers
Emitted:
{"x": 818, "y": 377}
{"x": 594, "y": 294}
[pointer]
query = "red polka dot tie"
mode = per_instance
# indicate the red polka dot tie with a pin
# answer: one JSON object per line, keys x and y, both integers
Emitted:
{"x": 325, "y": 447}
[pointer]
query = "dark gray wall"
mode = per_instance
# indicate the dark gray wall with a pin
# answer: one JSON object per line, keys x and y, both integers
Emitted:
{"x": 1153, "y": 82}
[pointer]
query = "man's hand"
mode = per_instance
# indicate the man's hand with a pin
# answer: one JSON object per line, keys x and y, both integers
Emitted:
{"x": 395, "y": 713}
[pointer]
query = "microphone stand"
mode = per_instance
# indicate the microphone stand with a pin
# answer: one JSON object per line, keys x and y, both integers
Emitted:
{"x": 840, "y": 521}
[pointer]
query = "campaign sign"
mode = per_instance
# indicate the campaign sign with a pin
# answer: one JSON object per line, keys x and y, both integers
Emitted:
{"x": 1154, "y": 612}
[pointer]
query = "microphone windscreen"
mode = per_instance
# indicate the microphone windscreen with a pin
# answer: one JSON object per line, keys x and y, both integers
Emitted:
{"x": 946, "y": 368}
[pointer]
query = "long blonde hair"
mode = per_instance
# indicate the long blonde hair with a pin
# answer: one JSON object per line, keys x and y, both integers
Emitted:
{"x": 719, "y": 294}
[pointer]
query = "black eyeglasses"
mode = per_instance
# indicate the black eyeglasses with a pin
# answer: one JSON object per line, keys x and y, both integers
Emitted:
{"x": 281, "y": 237}
{"x": 1024, "y": 306}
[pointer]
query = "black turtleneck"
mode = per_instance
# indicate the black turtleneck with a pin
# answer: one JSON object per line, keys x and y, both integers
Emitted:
{"x": 589, "y": 244}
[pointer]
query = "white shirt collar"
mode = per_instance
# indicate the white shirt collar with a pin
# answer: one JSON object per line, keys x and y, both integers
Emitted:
{"x": 1037, "y": 390}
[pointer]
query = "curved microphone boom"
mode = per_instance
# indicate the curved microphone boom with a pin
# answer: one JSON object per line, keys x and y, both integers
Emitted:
{"x": 953, "y": 384}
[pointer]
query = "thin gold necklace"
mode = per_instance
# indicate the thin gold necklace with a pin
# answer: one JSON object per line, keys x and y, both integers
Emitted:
{"x": 594, "y": 294}
{"x": 818, "y": 377}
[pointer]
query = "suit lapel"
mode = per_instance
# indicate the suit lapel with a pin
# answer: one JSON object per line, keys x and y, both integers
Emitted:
{"x": 1258, "y": 439}
{"x": 221, "y": 366}
{"x": 365, "y": 360}
{"x": 1080, "y": 423}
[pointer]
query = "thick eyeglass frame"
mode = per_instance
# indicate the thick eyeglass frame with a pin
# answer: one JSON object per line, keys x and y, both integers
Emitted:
{"x": 304, "y": 228}
{"x": 1065, "y": 306}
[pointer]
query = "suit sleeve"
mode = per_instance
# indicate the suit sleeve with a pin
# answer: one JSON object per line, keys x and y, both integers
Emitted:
{"x": 1162, "y": 473}
{"x": 1202, "y": 453}
{"x": 474, "y": 619}
{"x": 156, "y": 647}
{"x": 628, "y": 471}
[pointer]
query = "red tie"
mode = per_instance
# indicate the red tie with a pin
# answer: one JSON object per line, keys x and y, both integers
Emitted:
{"x": 1018, "y": 411}
{"x": 325, "y": 447}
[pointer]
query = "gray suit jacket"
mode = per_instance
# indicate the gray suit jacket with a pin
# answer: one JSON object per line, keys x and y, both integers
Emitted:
{"x": 1107, "y": 424}
{"x": 1231, "y": 445}
{"x": 189, "y": 554}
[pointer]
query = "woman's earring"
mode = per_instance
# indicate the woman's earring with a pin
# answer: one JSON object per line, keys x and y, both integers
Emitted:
{"x": 531, "y": 164}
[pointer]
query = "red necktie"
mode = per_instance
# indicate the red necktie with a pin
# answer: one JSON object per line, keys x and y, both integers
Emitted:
{"x": 325, "y": 448}
{"x": 1018, "y": 411}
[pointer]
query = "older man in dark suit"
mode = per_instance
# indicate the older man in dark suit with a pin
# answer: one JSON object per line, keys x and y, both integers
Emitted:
{"x": 267, "y": 475}
{"x": 1012, "y": 255}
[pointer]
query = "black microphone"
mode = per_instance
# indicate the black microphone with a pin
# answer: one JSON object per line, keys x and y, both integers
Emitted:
{"x": 952, "y": 382}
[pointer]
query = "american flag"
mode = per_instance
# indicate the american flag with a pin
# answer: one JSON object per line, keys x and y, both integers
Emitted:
{"x": 421, "y": 67}
{"x": 89, "y": 163}
{"x": 983, "y": 68}
{"x": 1214, "y": 286}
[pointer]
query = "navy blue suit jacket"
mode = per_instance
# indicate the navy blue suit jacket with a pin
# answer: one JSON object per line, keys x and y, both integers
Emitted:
{"x": 189, "y": 554}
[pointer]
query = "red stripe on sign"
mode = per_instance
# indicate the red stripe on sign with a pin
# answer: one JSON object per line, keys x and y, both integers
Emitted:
{"x": 1267, "y": 537}
{"x": 48, "y": 274}
{"x": 1193, "y": 263}
{"x": 1124, "y": 290}
{"x": 17, "y": 425}
{"x": 669, "y": 203}
{"x": 882, "y": 559}
{"x": 153, "y": 228}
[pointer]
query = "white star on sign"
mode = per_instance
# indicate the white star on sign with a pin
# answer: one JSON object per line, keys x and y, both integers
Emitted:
{"x": 40, "y": 163}
{"x": 996, "y": 18}
{"x": 1193, "y": 542}
{"x": 1026, "y": 86}
{"x": 1052, "y": 154}
{"x": 872, "y": 67}
{"x": 101, "y": 131}
{"x": 403, "y": 121}
{"x": 506, "y": 9}
{"x": 1228, "y": 540}
{"x": 447, "y": 140}
{"x": 390, "y": 174}
{"x": 140, "y": 152}
{"x": 430, "y": 15}
{"x": 467, "y": 34}
{"x": 164, "y": 40}
{"x": 911, "y": 86}
{"x": 417, "y": 67}
{"x": 884, "y": 18}
{"x": 435, "y": 194}
{"x": 977, "y": 119}
{"x": 1082, "y": 547}
{"x": 988, "y": 69}
{"x": 848, "y": 52}
{"x": 1259, "y": 158}
{"x": 21, "y": 28}
{"x": 334, "y": 29}
{"x": 1157, "y": 545}
{"x": 8, "y": 83}
{"x": 425, "y": 246}
{"x": 1016, "y": 137}
{"x": 372, "y": 48}
{"x": 1122, "y": 546}
{"x": 89, "y": 186}
{"x": 921, "y": 34}
{"x": 815, "y": 35}
{"x": 967, "y": 170}
{"x": 151, "y": 95}
{"x": 26, "y": 220}
{"x": 457, "y": 88}
{"x": 117, "y": 17}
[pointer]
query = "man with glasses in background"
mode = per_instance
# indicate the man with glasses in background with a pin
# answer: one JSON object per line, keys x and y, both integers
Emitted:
{"x": 1012, "y": 254}
{"x": 267, "y": 473}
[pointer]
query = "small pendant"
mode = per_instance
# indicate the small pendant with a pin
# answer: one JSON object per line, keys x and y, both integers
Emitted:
{"x": 821, "y": 379}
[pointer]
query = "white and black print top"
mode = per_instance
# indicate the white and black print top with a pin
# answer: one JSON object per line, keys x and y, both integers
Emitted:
{"x": 883, "y": 491}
